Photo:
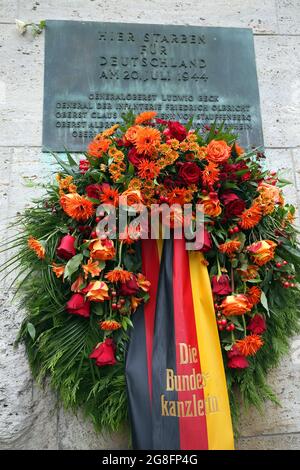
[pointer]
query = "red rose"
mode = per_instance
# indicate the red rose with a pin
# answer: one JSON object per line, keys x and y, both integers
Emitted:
{"x": 77, "y": 305}
{"x": 221, "y": 286}
{"x": 175, "y": 130}
{"x": 104, "y": 353}
{"x": 66, "y": 248}
{"x": 257, "y": 325}
{"x": 93, "y": 190}
{"x": 133, "y": 156}
{"x": 130, "y": 287}
{"x": 207, "y": 243}
{"x": 236, "y": 360}
{"x": 234, "y": 205}
{"x": 190, "y": 173}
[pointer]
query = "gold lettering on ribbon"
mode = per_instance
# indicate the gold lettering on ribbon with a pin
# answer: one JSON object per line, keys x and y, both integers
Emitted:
{"x": 190, "y": 383}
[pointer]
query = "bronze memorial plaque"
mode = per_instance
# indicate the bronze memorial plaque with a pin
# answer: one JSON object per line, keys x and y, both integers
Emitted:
{"x": 95, "y": 72}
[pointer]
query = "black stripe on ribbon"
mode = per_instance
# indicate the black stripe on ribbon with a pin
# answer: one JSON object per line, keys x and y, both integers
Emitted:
{"x": 137, "y": 384}
{"x": 165, "y": 428}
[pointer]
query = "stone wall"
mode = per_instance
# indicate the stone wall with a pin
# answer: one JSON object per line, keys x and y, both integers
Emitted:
{"x": 31, "y": 418}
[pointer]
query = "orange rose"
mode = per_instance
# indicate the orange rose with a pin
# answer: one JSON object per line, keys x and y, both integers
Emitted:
{"x": 268, "y": 191}
{"x": 236, "y": 305}
{"x": 97, "y": 291}
{"x": 218, "y": 151}
{"x": 131, "y": 133}
{"x": 131, "y": 197}
{"x": 262, "y": 252}
{"x": 212, "y": 206}
{"x": 102, "y": 249}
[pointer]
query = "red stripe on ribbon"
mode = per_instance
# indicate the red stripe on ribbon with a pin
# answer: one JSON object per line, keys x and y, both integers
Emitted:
{"x": 150, "y": 262}
{"x": 193, "y": 430}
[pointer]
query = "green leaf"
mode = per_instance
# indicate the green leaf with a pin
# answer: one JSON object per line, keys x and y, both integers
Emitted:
{"x": 31, "y": 330}
{"x": 72, "y": 265}
{"x": 264, "y": 302}
{"x": 98, "y": 308}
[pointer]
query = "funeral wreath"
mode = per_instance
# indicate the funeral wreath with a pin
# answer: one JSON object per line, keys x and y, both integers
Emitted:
{"x": 80, "y": 289}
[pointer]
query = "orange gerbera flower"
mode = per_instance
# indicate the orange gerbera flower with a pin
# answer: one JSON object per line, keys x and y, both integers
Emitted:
{"x": 76, "y": 206}
{"x": 148, "y": 170}
{"x": 98, "y": 147}
{"x": 110, "y": 325}
{"x": 250, "y": 217}
{"x": 230, "y": 247}
{"x": 37, "y": 247}
{"x": 92, "y": 268}
{"x": 262, "y": 252}
{"x": 118, "y": 275}
{"x": 58, "y": 270}
{"x": 109, "y": 195}
{"x": 235, "y": 305}
{"x": 254, "y": 295}
{"x": 147, "y": 140}
{"x": 143, "y": 282}
{"x": 179, "y": 196}
{"x": 249, "y": 345}
{"x": 211, "y": 206}
{"x": 97, "y": 291}
{"x": 210, "y": 174}
{"x": 145, "y": 116}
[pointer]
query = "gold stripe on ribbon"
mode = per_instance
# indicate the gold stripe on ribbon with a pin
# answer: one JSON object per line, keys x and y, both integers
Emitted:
{"x": 218, "y": 418}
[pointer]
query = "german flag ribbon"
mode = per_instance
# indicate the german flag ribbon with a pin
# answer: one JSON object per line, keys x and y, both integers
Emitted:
{"x": 175, "y": 376}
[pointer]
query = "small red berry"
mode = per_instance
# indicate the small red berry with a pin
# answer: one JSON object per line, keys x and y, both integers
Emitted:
{"x": 236, "y": 229}
{"x": 119, "y": 305}
{"x": 113, "y": 293}
{"x": 286, "y": 284}
{"x": 122, "y": 301}
{"x": 93, "y": 234}
{"x": 278, "y": 265}
{"x": 114, "y": 306}
{"x": 98, "y": 219}
{"x": 224, "y": 322}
